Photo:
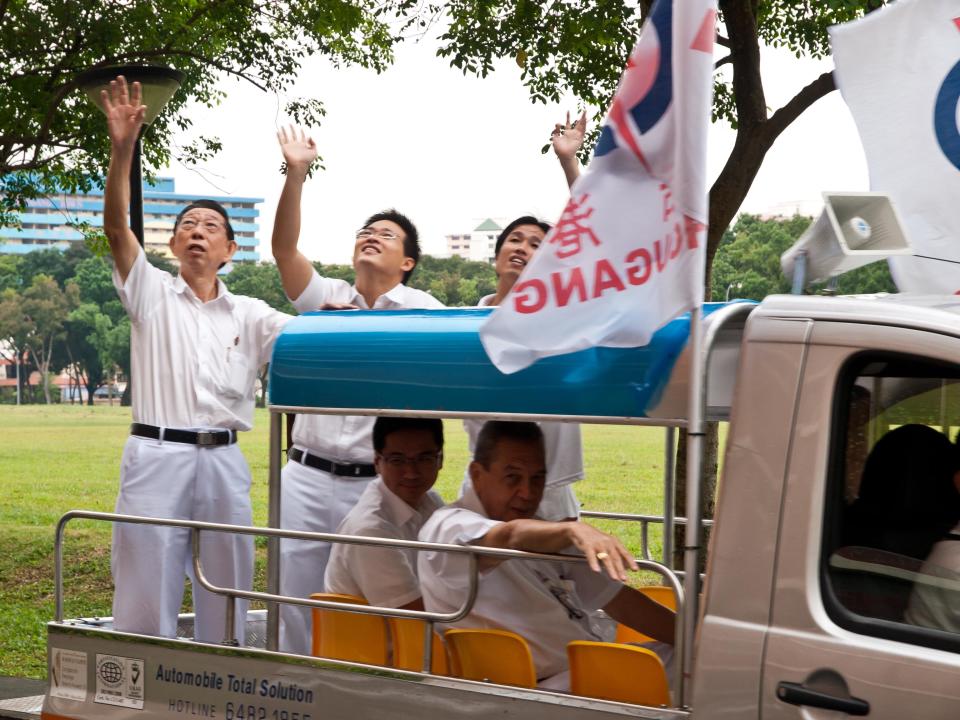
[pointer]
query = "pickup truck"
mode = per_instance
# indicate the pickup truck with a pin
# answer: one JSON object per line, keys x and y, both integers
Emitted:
{"x": 800, "y": 613}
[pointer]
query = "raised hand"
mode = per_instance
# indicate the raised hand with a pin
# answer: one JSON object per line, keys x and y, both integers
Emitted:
{"x": 298, "y": 148}
{"x": 567, "y": 138}
{"x": 125, "y": 112}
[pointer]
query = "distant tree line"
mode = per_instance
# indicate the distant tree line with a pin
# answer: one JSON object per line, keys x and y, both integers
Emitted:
{"x": 59, "y": 312}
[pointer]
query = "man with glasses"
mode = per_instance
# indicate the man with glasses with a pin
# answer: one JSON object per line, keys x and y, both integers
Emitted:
{"x": 408, "y": 455}
{"x": 331, "y": 461}
{"x": 195, "y": 349}
{"x": 545, "y": 602}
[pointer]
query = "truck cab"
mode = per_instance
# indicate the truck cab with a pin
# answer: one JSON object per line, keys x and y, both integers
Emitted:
{"x": 801, "y": 616}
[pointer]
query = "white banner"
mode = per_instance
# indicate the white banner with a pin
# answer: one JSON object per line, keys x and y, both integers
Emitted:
{"x": 898, "y": 69}
{"x": 627, "y": 254}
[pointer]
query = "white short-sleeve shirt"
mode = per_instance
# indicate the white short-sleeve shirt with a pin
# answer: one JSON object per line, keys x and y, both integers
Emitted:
{"x": 193, "y": 363}
{"x": 935, "y": 599}
{"x": 347, "y": 438}
{"x": 384, "y": 576}
{"x": 545, "y": 602}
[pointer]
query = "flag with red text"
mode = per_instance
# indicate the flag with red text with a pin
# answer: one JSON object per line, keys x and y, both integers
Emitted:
{"x": 627, "y": 254}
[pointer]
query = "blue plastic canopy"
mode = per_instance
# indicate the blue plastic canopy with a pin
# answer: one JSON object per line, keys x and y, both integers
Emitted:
{"x": 432, "y": 360}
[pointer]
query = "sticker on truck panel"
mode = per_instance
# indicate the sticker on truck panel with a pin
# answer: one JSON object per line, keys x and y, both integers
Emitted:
{"x": 68, "y": 674}
{"x": 120, "y": 681}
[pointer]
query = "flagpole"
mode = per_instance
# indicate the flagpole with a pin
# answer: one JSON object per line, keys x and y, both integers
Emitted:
{"x": 691, "y": 549}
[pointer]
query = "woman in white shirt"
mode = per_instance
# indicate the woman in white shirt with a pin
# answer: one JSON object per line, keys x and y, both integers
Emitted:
{"x": 515, "y": 247}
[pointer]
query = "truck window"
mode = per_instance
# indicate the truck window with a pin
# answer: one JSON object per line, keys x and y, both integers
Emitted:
{"x": 891, "y": 560}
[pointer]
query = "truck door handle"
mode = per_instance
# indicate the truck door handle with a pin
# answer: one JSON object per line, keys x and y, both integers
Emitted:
{"x": 797, "y": 694}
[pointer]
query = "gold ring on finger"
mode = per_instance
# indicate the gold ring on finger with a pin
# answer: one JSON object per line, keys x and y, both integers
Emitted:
{"x": 602, "y": 555}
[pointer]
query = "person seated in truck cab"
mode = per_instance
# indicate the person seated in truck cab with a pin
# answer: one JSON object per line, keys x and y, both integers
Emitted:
{"x": 935, "y": 600}
{"x": 408, "y": 454}
{"x": 906, "y": 502}
{"x": 545, "y": 602}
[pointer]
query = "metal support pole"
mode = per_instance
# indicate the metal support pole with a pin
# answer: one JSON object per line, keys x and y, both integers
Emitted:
{"x": 136, "y": 190}
{"x": 427, "y": 647}
{"x": 691, "y": 550}
{"x": 799, "y": 273}
{"x": 273, "y": 520}
{"x": 669, "y": 493}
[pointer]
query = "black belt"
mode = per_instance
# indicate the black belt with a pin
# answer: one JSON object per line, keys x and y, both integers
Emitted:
{"x": 204, "y": 438}
{"x": 328, "y": 466}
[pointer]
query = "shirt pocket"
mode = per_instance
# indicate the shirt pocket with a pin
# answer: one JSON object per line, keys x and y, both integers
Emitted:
{"x": 238, "y": 380}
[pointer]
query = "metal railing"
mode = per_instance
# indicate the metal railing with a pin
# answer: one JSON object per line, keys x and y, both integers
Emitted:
{"x": 645, "y": 522}
{"x": 233, "y": 594}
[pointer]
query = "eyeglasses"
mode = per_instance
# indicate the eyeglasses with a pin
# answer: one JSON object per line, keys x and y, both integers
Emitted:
{"x": 208, "y": 225}
{"x": 383, "y": 234}
{"x": 421, "y": 461}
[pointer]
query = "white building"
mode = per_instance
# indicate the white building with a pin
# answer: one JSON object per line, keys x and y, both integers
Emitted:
{"x": 479, "y": 244}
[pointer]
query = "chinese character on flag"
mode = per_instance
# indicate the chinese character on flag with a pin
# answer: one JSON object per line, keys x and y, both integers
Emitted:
{"x": 627, "y": 255}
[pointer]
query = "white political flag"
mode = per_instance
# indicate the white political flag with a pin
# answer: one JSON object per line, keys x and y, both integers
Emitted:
{"x": 627, "y": 255}
{"x": 898, "y": 69}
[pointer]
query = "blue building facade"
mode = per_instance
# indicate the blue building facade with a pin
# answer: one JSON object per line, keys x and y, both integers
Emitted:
{"x": 46, "y": 221}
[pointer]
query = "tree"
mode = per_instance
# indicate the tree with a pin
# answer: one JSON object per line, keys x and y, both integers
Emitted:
{"x": 13, "y": 333}
{"x": 261, "y": 280}
{"x": 454, "y": 281}
{"x": 94, "y": 278}
{"x": 9, "y": 272}
{"x": 583, "y": 48}
{"x": 52, "y": 138}
{"x": 44, "y": 309}
{"x": 89, "y": 344}
{"x": 118, "y": 347}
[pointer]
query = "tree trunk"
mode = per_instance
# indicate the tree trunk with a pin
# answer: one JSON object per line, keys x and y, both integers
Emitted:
{"x": 708, "y": 498}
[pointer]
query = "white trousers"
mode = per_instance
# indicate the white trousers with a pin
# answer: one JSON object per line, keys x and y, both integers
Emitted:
{"x": 183, "y": 482}
{"x": 315, "y": 501}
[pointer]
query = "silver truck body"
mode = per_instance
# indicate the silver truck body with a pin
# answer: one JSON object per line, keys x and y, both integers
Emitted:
{"x": 772, "y": 639}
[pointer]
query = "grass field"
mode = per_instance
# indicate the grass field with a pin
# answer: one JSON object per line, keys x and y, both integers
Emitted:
{"x": 59, "y": 458}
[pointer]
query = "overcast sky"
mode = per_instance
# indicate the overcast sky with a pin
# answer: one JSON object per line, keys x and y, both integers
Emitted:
{"x": 450, "y": 150}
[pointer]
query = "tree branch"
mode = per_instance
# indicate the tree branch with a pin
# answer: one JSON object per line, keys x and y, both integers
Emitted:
{"x": 748, "y": 93}
{"x": 722, "y": 41}
{"x": 198, "y": 13}
{"x": 779, "y": 121}
{"x": 723, "y": 61}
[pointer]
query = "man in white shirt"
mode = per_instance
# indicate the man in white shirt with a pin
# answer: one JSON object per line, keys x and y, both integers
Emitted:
{"x": 331, "y": 461}
{"x": 195, "y": 350}
{"x": 545, "y": 602}
{"x": 515, "y": 247}
{"x": 408, "y": 455}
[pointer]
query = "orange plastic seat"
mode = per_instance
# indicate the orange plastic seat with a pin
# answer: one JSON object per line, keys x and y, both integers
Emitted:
{"x": 495, "y": 656}
{"x": 662, "y": 594}
{"x": 658, "y": 593}
{"x": 407, "y": 634}
{"x": 624, "y": 673}
{"x": 348, "y": 636}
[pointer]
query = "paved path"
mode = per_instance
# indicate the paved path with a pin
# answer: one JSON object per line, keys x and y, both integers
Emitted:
{"x": 20, "y": 697}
